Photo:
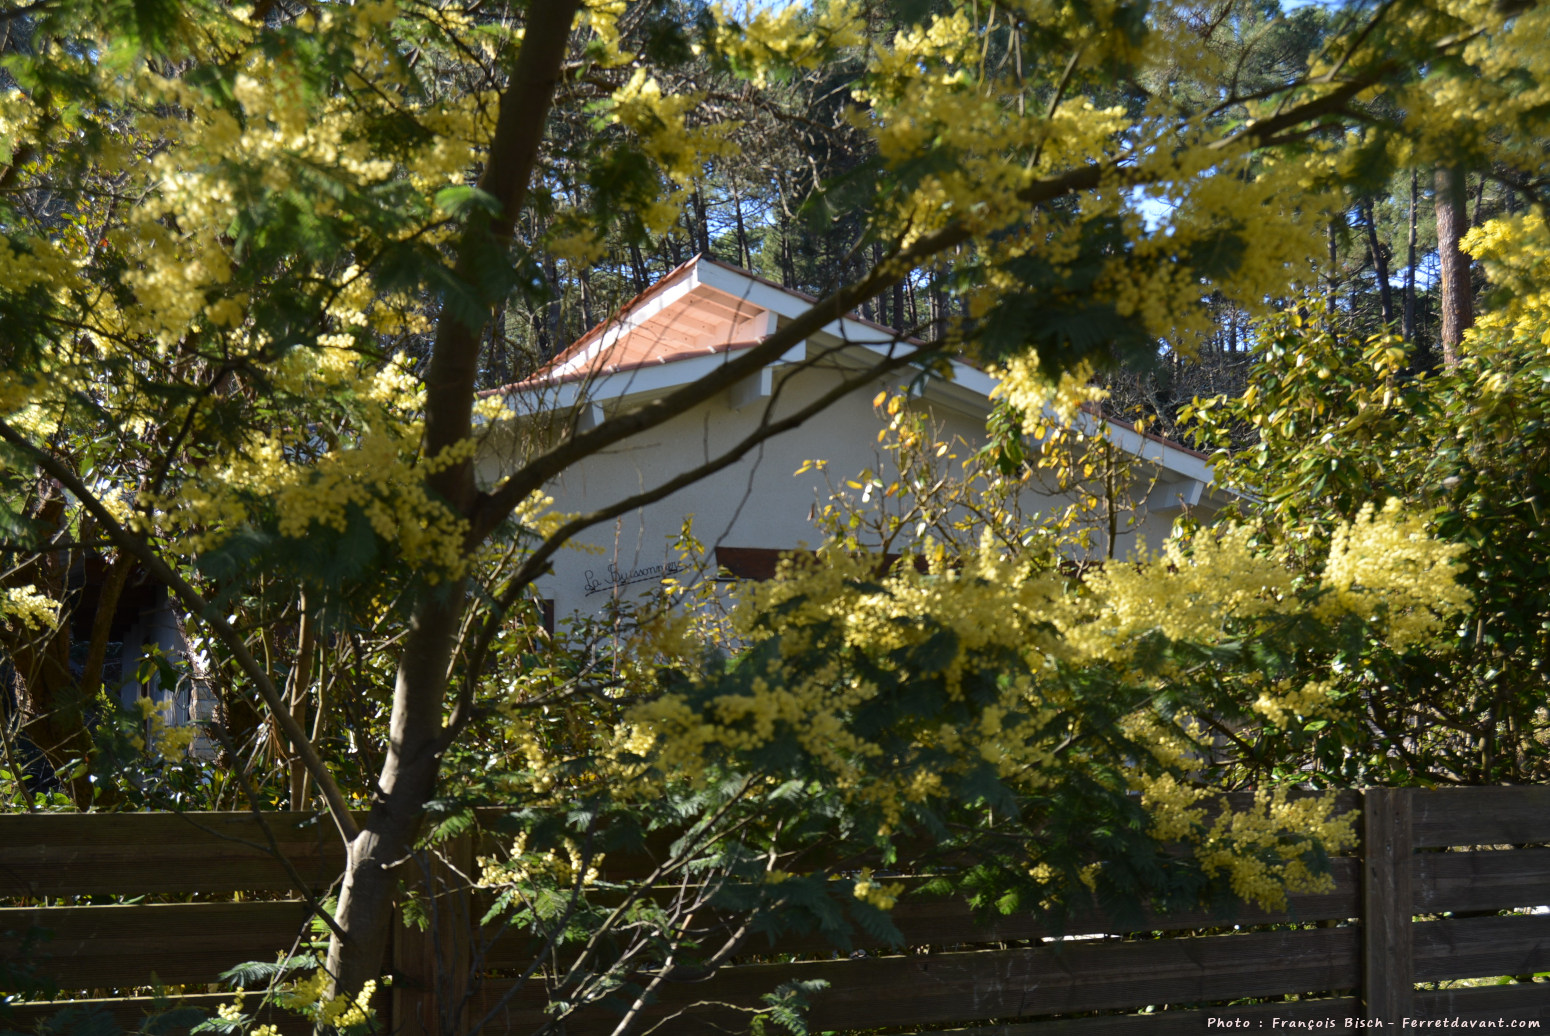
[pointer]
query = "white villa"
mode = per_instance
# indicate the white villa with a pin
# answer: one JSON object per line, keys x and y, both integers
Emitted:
{"x": 685, "y": 326}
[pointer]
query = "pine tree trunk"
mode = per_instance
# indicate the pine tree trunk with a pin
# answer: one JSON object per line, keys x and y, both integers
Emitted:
{"x": 1380, "y": 264}
{"x": 1334, "y": 269}
{"x": 701, "y": 223}
{"x": 638, "y": 269}
{"x": 1457, "y": 294}
{"x": 1410, "y": 259}
{"x": 938, "y": 309}
{"x": 745, "y": 259}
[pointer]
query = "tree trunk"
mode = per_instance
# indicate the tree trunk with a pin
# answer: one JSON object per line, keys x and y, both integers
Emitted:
{"x": 701, "y": 226}
{"x": 1334, "y": 269}
{"x": 584, "y": 278}
{"x": 407, "y": 783}
{"x": 1457, "y": 294}
{"x": 1410, "y": 259}
{"x": 938, "y": 309}
{"x": 554, "y": 310}
{"x": 638, "y": 269}
{"x": 413, "y": 760}
{"x": 1380, "y": 264}
{"x": 51, "y": 703}
{"x": 745, "y": 258}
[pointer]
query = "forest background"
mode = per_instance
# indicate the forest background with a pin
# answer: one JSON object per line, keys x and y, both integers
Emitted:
{"x": 259, "y": 263}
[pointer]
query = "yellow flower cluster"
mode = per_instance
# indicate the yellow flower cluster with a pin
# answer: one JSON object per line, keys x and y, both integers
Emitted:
{"x": 1263, "y": 850}
{"x": 1036, "y": 393}
{"x": 28, "y": 607}
{"x": 169, "y": 741}
{"x": 1515, "y": 251}
{"x": 660, "y": 123}
{"x": 1386, "y": 568}
{"x": 231, "y": 1012}
{"x": 309, "y": 996}
{"x": 522, "y": 865}
{"x": 778, "y": 37}
{"x": 1286, "y": 698}
{"x": 1383, "y": 569}
{"x": 883, "y": 897}
{"x": 1188, "y": 596}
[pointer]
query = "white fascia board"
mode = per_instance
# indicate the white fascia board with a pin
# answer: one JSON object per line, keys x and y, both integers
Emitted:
{"x": 1167, "y": 457}
{"x": 646, "y": 381}
{"x": 968, "y": 389}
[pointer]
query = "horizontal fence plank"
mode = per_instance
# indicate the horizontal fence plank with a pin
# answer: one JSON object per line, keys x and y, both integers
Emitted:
{"x": 131, "y": 1012}
{"x": 1331, "y": 1012}
{"x": 634, "y": 866}
{"x": 1481, "y": 947}
{"x": 65, "y": 854}
{"x": 1481, "y": 816}
{"x": 1486, "y": 880}
{"x": 924, "y": 989}
{"x": 59, "y": 854}
{"x": 1520, "y": 1001}
{"x": 97, "y": 947}
{"x": 941, "y": 921}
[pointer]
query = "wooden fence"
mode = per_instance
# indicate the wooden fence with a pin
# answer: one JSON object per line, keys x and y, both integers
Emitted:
{"x": 1428, "y": 899}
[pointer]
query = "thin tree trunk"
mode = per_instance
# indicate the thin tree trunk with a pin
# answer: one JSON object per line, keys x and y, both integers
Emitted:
{"x": 297, "y": 693}
{"x": 413, "y": 760}
{"x": 701, "y": 223}
{"x": 788, "y": 266}
{"x": 1457, "y": 294}
{"x": 938, "y": 309}
{"x": 1334, "y": 268}
{"x": 882, "y": 301}
{"x": 745, "y": 258}
{"x": 554, "y": 311}
{"x": 584, "y": 277}
{"x": 406, "y": 784}
{"x": 638, "y": 269}
{"x": 1380, "y": 264}
{"x": 1410, "y": 259}
{"x": 788, "y": 270}
{"x": 50, "y": 701}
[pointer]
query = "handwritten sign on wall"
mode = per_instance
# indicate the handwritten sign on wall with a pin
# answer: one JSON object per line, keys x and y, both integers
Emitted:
{"x": 614, "y": 577}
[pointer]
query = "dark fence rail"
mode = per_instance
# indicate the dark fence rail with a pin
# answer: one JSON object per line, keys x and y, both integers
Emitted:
{"x": 1470, "y": 852}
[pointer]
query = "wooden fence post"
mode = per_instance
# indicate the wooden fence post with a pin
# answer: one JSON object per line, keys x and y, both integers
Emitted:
{"x": 431, "y": 964}
{"x": 1388, "y": 966}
